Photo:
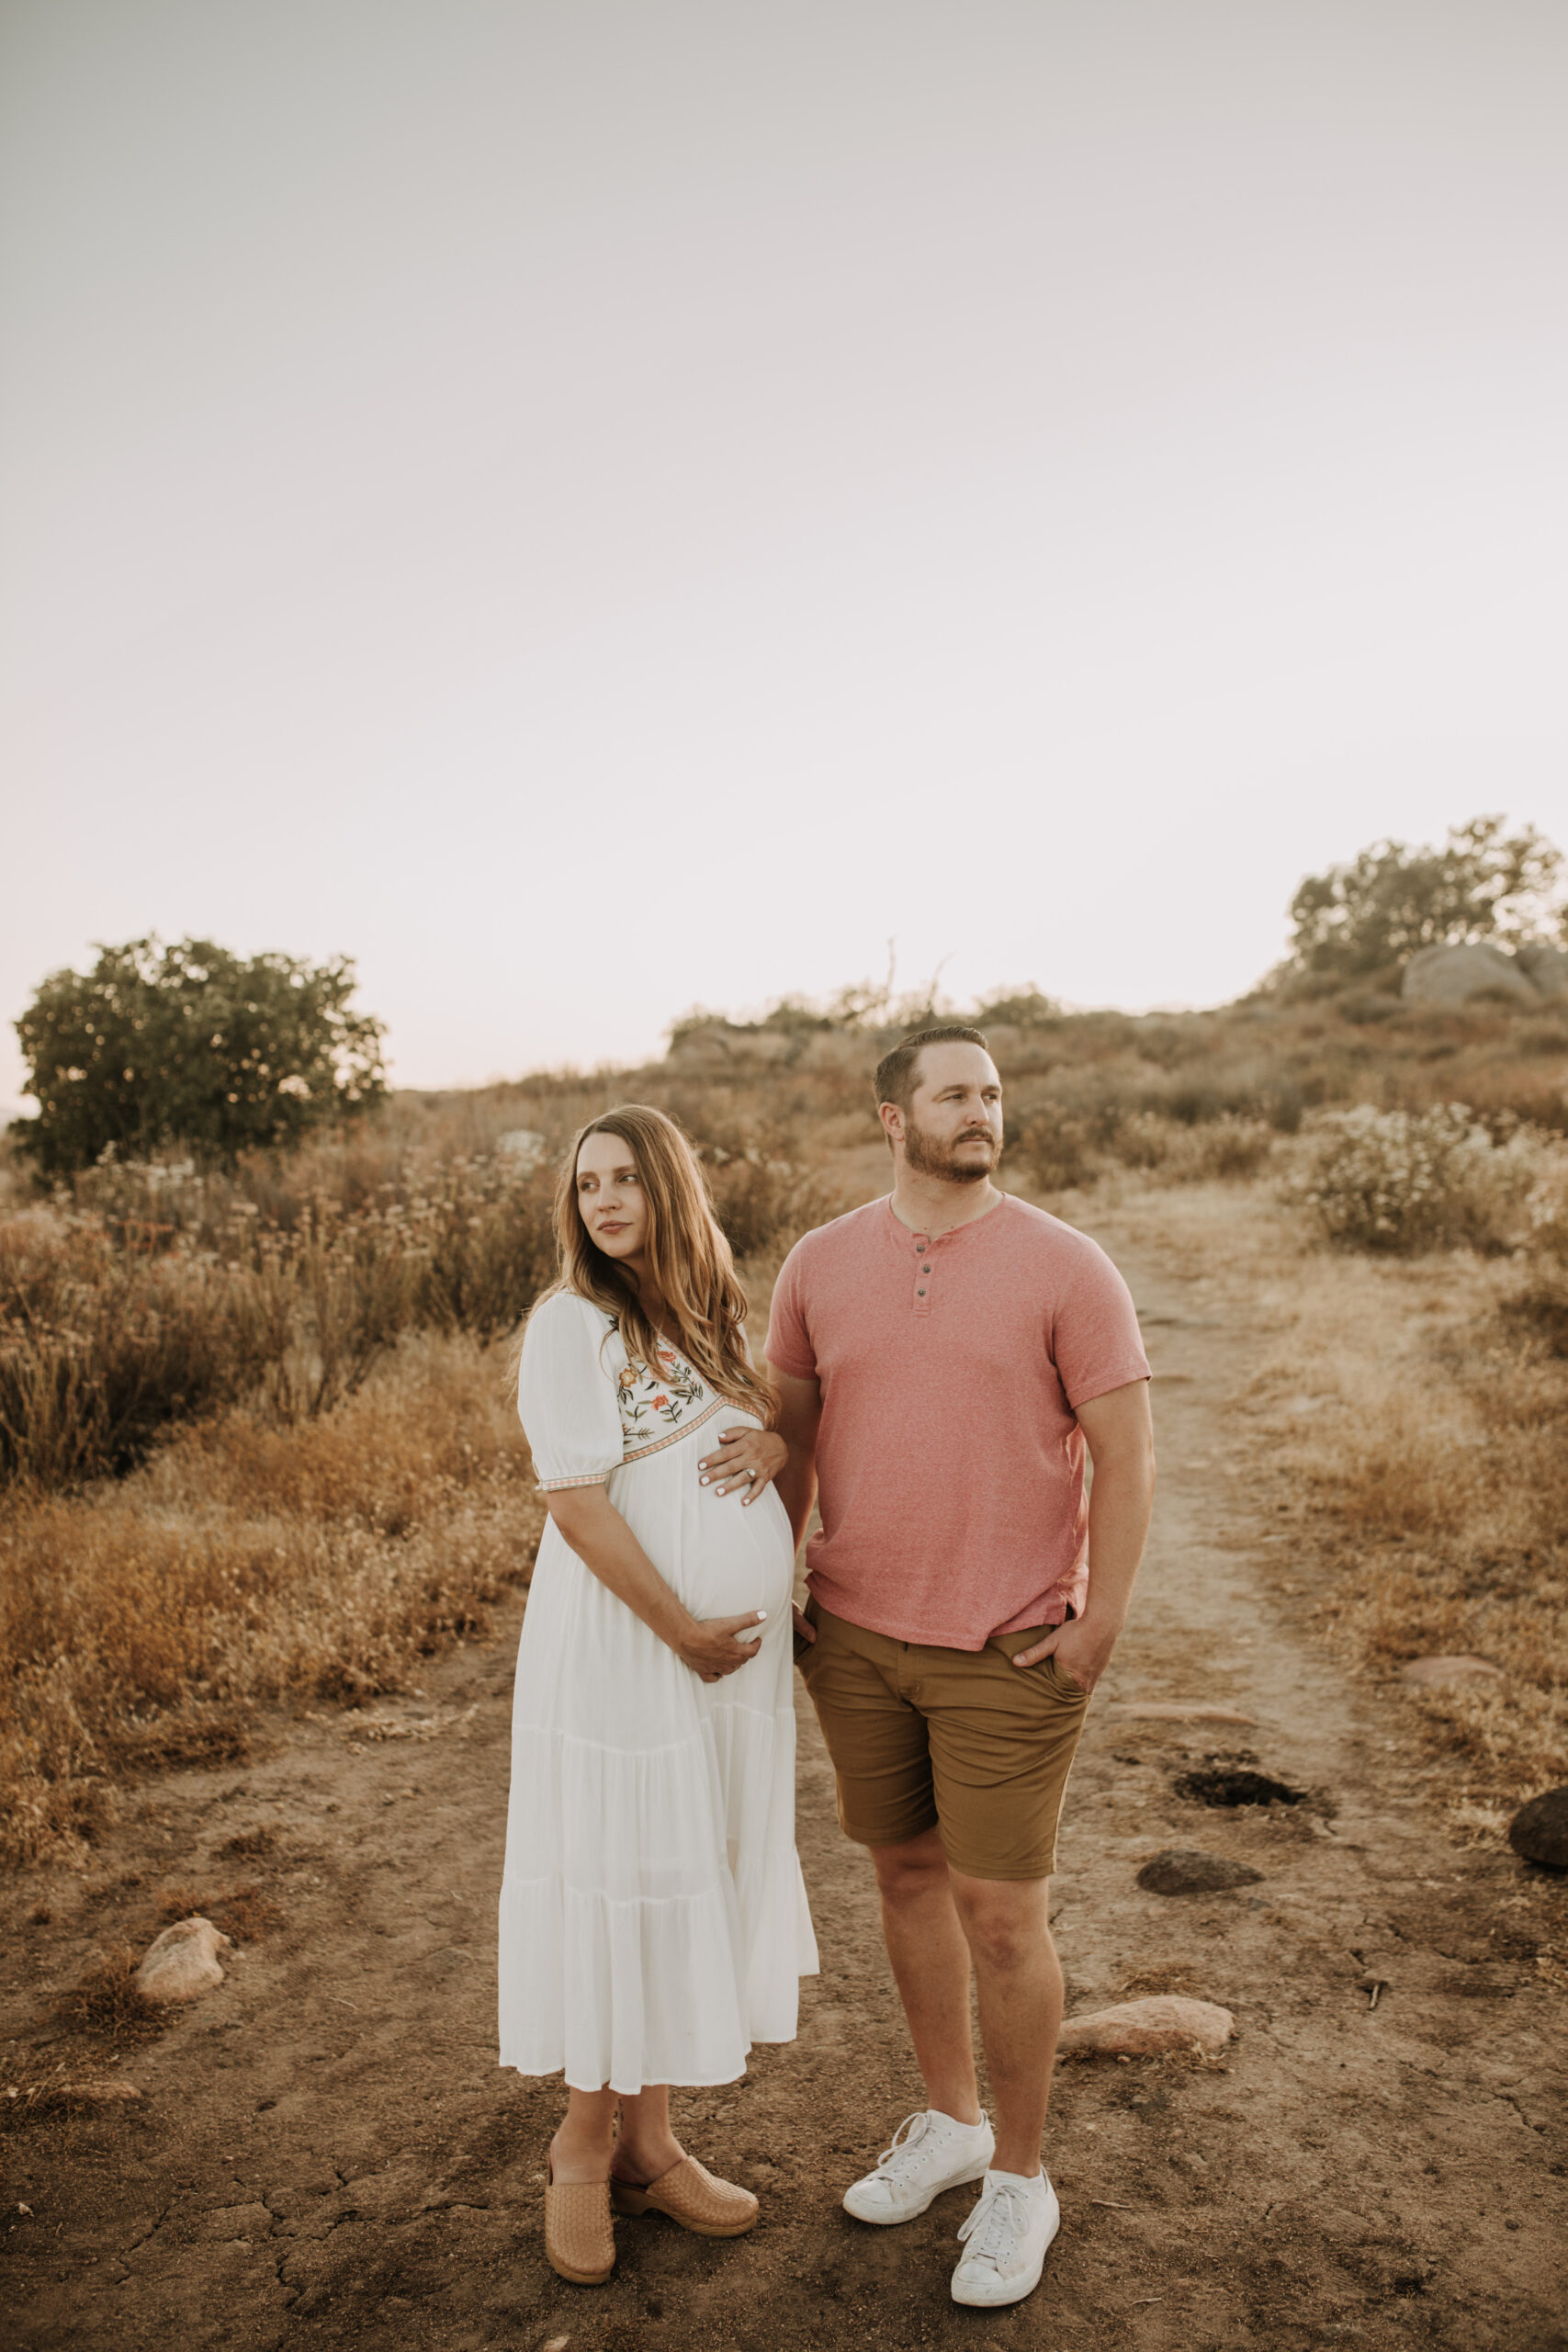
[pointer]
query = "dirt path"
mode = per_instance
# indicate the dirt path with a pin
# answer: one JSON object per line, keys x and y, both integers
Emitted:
{"x": 327, "y": 2154}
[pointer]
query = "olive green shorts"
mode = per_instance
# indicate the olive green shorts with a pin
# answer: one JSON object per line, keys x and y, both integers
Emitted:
{"x": 959, "y": 1741}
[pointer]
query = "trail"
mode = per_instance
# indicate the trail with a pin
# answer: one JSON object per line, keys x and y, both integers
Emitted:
{"x": 327, "y": 2154}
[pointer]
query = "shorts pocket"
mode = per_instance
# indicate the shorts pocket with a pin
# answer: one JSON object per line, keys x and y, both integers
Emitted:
{"x": 1068, "y": 1684}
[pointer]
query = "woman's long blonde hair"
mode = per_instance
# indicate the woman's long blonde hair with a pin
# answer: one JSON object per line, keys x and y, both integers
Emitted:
{"x": 688, "y": 1256}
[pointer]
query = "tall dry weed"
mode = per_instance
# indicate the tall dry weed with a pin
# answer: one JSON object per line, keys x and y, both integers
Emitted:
{"x": 101, "y": 1346}
{"x": 169, "y": 1295}
{"x": 147, "y": 1621}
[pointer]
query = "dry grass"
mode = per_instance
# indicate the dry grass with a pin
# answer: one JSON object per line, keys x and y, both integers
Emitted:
{"x": 146, "y": 1622}
{"x": 363, "y": 1500}
{"x": 155, "y": 1296}
{"x": 107, "y": 2001}
{"x": 1413, "y": 1439}
{"x": 332, "y": 1483}
{"x": 1163, "y": 1976}
{"x": 141, "y": 1298}
{"x": 241, "y": 1913}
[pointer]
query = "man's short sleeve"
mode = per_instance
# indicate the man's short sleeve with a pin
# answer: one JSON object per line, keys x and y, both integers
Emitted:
{"x": 789, "y": 1342}
{"x": 1095, "y": 1341}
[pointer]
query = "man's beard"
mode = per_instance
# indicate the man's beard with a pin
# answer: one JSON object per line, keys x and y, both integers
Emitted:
{"x": 927, "y": 1156}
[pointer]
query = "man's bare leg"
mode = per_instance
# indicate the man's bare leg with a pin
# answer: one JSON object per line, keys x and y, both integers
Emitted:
{"x": 930, "y": 1954}
{"x": 1006, "y": 1923}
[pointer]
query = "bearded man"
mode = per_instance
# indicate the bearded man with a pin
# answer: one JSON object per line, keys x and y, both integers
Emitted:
{"x": 945, "y": 1355}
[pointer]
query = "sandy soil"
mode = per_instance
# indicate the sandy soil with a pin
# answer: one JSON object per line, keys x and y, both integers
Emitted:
{"x": 326, "y": 2153}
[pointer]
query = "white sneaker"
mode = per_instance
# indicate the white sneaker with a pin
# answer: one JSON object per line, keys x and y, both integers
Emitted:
{"x": 929, "y": 2153}
{"x": 1009, "y": 2233}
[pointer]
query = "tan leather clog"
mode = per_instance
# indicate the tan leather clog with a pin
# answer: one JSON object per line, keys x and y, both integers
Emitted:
{"x": 689, "y": 2194}
{"x": 580, "y": 2237}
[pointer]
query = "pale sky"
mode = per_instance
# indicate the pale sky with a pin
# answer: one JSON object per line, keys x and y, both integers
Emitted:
{"x": 598, "y": 507}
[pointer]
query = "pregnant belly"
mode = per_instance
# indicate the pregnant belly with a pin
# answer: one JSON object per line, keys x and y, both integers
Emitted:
{"x": 738, "y": 1557}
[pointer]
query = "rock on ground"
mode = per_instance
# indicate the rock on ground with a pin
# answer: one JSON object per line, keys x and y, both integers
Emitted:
{"x": 183, "y": 1961}
{"x": 1539, "y": 1830}
{"x": 1449, "y": 1673}
{"x": 1547, "y": 967}
{"x": 1180, "y": 1869}
{"x": 1143, "y": 2029}
{"x": 1454, "y": 975}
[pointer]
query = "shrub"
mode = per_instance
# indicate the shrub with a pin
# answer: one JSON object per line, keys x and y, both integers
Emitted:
{"x": 100, "y": 1347}
{"x": 191, "y": 1045}
{"x": 1070, "y": 1148}
{"x": 1230, "y": 1147}
{"x": 315, "y": 1308}
{"x": 761, "y": 1203}
{"x": 481, "y": 1232}
{"x": 1021, "y": 1008}
{"x": 1407, "y": 1181}
{"x": 1356, "y": 920}
{"x": 1057, "y": 1151}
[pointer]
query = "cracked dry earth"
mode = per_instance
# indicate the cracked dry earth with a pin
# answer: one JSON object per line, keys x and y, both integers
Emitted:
{"x": 327, "y": 2154}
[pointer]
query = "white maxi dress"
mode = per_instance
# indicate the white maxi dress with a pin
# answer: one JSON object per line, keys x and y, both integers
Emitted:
{"x": 653, "y": 1918}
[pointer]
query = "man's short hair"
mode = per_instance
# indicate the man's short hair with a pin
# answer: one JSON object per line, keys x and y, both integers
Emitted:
{"x": 898, "y": 1073}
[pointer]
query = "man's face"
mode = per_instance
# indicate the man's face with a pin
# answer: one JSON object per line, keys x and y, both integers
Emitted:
{"x": 952, "y": 1129}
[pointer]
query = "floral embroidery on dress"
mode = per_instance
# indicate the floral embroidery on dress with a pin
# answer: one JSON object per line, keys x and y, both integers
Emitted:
{"x": 660, "y": 1403}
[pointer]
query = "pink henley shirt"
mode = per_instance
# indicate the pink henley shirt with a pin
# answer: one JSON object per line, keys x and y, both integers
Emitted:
{"x": 950, "y": 1462}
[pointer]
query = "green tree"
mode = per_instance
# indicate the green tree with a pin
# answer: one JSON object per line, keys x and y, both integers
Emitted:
{"x": 1483, "y": 883}
{"x": 187, "y": 1045}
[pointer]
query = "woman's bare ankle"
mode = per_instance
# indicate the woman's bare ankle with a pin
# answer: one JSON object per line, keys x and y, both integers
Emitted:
{"x": 642, "y": 2161}
{"x": 580, "y": 2156}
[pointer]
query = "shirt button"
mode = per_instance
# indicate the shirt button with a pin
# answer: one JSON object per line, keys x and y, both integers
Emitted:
{"x": 925, "y": 1270}
{"x": 919, "y": 1293}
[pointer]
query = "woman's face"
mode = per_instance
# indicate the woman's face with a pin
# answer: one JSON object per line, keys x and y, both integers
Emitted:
{"x": 610, "y": 1197}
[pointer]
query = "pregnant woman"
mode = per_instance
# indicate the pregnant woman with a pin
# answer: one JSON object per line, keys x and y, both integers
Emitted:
{"x": 653, "y": 1921}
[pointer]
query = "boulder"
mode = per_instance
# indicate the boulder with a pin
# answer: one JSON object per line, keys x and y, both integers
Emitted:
{"x": 1547, "y": 967}
{"x": 1181, "y": 1870}
{"x": 1450, "y": 1673}
{"x": 1454, "y": 975}
{"x": 183, "y": 1961}
{"x": 1539, "y": 1830}
{"x": 715, "y": 1043}
{"x": 1143, "y": 2029}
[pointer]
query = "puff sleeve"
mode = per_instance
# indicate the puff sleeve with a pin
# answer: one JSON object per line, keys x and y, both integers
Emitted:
{"x": 565, "y": 1392}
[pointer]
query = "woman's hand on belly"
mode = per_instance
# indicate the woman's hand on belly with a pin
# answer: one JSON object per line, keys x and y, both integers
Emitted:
{"x": 744, "y": 1461}
{"x": 718, "y": 1645}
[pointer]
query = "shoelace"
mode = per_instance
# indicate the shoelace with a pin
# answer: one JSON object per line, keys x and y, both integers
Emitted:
{"x": 1001, "y": 2215}
{"x": 896, "y": 2160}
